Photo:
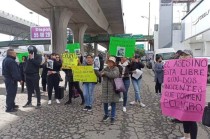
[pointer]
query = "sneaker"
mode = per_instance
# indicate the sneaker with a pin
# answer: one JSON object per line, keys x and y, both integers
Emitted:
{"x": 57, "y": 100}
{"x": 142, "y": 104}
{"x": 49, "y": 102}
{"x": 133, "y": 103}
{"x": 38, "y": 106}
{"x": 27, "y": 105}
{"x": 85, "y": 108}
{"x": 124, "y": 109}
{"x": 112, "y": 121}
{"x": 105, "y": 118}
{"x": 89, "y": 108}
{"x": 121, "y": 100}
{"x": 67, "y": 103}
{"x": 109, "y": 108}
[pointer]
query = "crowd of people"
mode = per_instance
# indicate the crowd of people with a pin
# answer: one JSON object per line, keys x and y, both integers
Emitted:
{"x": 27, "y": 73}
{"x": 124, "y": 68}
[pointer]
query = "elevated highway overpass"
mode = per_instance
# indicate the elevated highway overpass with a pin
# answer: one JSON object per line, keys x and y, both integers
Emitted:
{"x": 14, "y": 26}
{"x": 82, "y": 16}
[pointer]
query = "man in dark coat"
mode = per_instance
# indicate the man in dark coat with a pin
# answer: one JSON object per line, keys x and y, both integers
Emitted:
{"x": 32, "y": 75}
{"x": 11, "y": 73}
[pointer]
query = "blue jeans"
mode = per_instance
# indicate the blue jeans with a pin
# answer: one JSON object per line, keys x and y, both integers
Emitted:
{"x": 137, "y": 87}
{"x": 113, "y": 110}
{"x": 88, "y": 89}
{"x": 125, "y": 94}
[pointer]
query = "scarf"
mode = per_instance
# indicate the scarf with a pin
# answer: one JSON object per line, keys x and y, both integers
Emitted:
{"x": 123, "y": 65}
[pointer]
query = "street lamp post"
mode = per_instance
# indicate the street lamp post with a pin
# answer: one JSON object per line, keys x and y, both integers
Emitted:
{"x": 148, "y": 18}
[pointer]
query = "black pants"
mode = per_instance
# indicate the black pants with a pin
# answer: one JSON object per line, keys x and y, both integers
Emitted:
{"x": 190, "y": 127}
{"x": 53, "y": 83}
{"x": 77, "y": 87}
{"x": 158, "y": 87}
{"x": 44, "y": 84}
{"x": 66, "y": 81}
{"x": 32, "y": 83}
{"x": 11, "y": 88}
{"x": 22, "y": 86}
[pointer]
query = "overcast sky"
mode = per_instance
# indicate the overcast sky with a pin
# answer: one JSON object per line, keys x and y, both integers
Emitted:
{"x": 133, "y": 10}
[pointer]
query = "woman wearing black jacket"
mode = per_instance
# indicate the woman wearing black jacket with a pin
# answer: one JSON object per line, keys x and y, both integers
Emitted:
{"x": 53, "y": 78}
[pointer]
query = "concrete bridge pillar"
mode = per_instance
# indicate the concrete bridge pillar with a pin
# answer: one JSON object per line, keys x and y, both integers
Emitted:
{"x": 59, "y": 19}
{"x": 79, "y": 32}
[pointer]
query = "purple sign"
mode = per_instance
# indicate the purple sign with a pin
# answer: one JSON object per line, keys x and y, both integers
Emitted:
{"x": 40, "y": 33}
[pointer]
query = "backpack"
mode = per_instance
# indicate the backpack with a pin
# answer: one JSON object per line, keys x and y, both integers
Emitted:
{"x": 206, "y": 116}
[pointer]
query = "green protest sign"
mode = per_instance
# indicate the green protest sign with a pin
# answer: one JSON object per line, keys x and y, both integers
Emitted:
{"x": 122, "y": 47}
{"x": 73, "y": 48}
{"x": 20, "y": 55}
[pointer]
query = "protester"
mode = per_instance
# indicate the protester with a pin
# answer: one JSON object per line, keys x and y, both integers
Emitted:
{"x": 22, "y": 66}
{"x": 124, "y": 64}
{"x": 73, "y": 85}
{"x": 108, "y": 94}
{"x": 136, "y": 65}
{"x": 11, "y": 73}
{"x": 32, "y": 75}
{"x": 44, "y": 74}
{"x": 88, "y": 88}
{"x": 190, "y": 127}
{"x": 176, "y": 56}
{"x": 158, "y": 69}
{"x": 53, "y": 78}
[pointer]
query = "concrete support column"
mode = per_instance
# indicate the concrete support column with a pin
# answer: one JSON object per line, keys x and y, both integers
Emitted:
{"x": 79, "y": 32}
{"x": 59, "y": 19}
{"x": 95, "y": 49}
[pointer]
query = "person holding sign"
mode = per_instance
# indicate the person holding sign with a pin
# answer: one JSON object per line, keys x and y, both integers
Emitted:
{"x": 53, "y": 77}
{"x": 190, "y": 127}
{"x": 88, "y": 87}
{"x": 73, "y": 84}
{"x": 108, "y": 92}
{"x": 135, "y": 69}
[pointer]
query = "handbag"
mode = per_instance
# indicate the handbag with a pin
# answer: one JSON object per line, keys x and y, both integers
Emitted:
{"x": 206, "y": 116}
{"x": 119, "y": 85}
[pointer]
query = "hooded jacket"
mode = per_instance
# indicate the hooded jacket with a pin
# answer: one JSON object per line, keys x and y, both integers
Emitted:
{"x": 33, "y": 65}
